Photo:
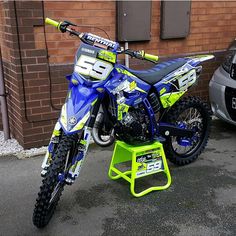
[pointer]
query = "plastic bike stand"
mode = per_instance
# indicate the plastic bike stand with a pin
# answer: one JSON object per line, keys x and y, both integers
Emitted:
{"x": 145, "y": 160}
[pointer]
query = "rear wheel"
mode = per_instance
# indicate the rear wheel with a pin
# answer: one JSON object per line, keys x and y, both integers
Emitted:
{"x": 53, "y": 183}
{"x": 191, "y": 113}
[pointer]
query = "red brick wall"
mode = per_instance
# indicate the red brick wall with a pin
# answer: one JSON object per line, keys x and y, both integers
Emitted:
{"x": 212, "y": 27}
{"x": 101, "y": 14}
{"x": 32, "y": 117}
{"x": 1, "y": 35}
{"x": 0, "y": 119}
{"x": 211, "y": 30}
{"x": 10, "y": 69}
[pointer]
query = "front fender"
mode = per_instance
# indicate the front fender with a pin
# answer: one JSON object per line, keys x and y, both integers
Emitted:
{"x": 77, "y": 109}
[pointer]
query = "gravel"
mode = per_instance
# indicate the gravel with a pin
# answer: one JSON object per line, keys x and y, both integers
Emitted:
{"x": 11, "y": 147}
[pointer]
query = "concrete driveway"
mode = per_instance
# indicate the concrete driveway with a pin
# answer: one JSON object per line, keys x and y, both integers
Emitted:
{"x": 200, "y": 201}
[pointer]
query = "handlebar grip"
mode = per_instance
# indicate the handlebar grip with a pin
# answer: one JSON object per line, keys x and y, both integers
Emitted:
{"x": 150, "y": 57}
{"x": 52, "y": 22}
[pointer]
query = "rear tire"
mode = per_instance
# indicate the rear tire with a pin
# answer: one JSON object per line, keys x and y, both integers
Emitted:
{"x": 47, "y": 200}
{"x": 203, "y": 125}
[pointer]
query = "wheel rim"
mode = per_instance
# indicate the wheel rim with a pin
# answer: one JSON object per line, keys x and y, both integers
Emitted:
{"x": 192, "y": 119}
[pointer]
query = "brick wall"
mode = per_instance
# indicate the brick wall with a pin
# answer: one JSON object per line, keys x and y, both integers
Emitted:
{"x": 1, "y": 19}
{"x": 101, "y": 14}
{"x": 208, "y": 33}
{"x": 0, "y": 119}
{"x": 32, "y": 116}
{"x": 28, "y": 101}
{"x": 1, "y": 40}
{"x": 212, "y": 28}
{"x": 10, "y": 69}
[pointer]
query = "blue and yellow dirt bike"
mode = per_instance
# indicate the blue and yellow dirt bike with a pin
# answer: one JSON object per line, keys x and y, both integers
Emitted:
{"x": 110, "y": 100}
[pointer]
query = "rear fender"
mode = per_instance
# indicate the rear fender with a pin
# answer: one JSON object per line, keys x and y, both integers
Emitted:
{"x": 172, "y": 87}
{"x": 196, "y": 60}
{"x": 77, "y": 109}
{"x": 177, "y": 83}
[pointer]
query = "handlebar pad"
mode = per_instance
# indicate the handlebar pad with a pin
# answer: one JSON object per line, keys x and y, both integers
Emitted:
{"x": 52, "y": 22}
{"x": 149, "y": 57}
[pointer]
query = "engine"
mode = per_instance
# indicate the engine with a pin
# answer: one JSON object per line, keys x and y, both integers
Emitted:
{"x": 134, "y": 127}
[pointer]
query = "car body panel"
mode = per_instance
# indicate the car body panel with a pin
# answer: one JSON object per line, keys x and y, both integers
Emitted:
{"x": 220, "y": 80}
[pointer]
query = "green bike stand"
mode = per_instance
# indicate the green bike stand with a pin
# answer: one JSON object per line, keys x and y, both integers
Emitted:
{"x": 145, "y": 160}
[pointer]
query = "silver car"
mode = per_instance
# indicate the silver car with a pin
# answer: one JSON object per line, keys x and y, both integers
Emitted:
{"x": 222, "y": 88}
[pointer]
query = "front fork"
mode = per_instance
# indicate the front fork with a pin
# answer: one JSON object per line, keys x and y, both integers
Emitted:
{"x": 77, "y": 160}
{"x": 51, "y": 148}
{"x": 83, "y": 145}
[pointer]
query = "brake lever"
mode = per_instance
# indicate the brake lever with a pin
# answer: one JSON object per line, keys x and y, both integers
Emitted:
{"x": 68, "y": 23}
{"x": 129, "y": 52}
{"x": 63, "y": 26}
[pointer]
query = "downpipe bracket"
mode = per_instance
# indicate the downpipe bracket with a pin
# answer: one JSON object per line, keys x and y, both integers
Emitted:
{"x": 4, "y": 95}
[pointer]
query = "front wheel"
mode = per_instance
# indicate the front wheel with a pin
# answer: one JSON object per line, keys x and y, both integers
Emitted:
{"x": 53, "y": 183}
{"x": 191, "y": 113}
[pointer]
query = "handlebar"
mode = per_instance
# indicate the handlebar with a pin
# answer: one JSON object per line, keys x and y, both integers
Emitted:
{"x": 93, "y": 39}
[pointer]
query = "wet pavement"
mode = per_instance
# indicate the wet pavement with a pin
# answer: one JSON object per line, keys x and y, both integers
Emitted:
{"x": 200, "y": 201}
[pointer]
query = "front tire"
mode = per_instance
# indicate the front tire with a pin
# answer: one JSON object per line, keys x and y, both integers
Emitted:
{"x": 192, "y": 113}
{"x": 51, "y": 188}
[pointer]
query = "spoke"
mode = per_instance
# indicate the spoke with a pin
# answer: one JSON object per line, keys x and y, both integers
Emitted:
{"x": 67, "y": 158}
{"x": 186, "y": 117}
{"x": 195, "y": 113}
{"x": 190, "y": 113}
{"x": 54, "y": 192}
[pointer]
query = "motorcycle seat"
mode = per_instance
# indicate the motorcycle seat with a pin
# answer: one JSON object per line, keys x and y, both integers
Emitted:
{"x": 158, "y": 72}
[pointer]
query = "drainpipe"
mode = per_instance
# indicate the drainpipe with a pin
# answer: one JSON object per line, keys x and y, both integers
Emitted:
{"x": 3, "y": 101}
{"x": 126, "y": 56}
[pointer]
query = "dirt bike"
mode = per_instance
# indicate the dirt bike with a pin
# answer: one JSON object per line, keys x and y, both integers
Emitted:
{"x": 137, "y": 107}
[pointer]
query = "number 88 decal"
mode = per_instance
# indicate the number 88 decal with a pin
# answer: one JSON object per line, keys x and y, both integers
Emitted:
{"x": 93, "y": 67}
